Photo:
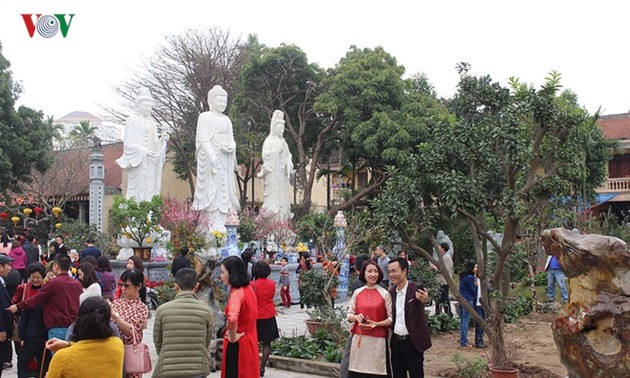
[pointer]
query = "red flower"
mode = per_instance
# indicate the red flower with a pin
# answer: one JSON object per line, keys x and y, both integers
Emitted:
{"x": 152, "y": 284}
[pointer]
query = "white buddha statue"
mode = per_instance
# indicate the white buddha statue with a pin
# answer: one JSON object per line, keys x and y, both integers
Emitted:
{"x": 144, "y": 151}
{"x": 277, "y": 169}
{"x": 215, "y": 191}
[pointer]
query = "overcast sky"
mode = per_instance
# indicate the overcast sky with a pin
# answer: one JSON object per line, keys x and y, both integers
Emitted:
{"x": 107, "y": 39}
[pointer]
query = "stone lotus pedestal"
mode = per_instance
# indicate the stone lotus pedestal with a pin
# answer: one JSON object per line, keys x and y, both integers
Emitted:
{"x": 593, "y": 329}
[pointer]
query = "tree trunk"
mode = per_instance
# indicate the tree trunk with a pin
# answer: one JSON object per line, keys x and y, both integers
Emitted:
{"x": 499, "y": 355}
{"x": 359, "y": 196}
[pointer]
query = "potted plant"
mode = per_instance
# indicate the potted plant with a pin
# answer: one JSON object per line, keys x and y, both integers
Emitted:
{"x": 137, "y": 223}
{"x": 317, "y": 293}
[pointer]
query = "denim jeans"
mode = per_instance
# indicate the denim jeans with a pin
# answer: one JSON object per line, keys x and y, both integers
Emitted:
{"x": 463, "y": 323}
{"x": 58, "y": 332}
{"x": 553, "y": 276}
{"x": 479, "y": 327}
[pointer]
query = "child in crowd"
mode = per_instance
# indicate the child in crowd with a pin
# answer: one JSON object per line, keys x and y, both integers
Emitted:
{"x": 284, "y": 282}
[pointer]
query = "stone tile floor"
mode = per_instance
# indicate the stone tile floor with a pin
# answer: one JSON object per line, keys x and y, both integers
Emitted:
{"x": 290, "y": 323}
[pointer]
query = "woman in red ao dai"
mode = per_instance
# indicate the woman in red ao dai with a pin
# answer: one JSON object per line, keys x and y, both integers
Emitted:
{"x": 371, "y": 312}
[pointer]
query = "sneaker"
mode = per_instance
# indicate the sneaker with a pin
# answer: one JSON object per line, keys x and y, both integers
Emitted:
{"x": 467, "y": 346}
{"x": 481, "y": 346}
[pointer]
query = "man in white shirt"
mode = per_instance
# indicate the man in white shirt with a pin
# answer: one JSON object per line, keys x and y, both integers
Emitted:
{"x": 411, "y": 332}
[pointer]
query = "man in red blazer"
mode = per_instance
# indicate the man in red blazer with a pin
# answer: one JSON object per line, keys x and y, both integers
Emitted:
{"x": 411, "y": 332}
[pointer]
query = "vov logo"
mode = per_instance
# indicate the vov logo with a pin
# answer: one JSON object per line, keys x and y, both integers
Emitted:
{"x": 47, "y": 25}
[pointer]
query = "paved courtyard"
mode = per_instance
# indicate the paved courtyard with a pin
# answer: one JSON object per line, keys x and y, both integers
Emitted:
{"x": 290, "y": 323}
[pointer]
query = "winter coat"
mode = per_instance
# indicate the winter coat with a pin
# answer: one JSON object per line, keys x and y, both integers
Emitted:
{"x": 182, "y": 333}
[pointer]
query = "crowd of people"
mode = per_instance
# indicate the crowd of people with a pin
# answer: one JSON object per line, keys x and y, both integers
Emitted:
{"x": 62, "y": 311}
{"x": 65, "y": 313}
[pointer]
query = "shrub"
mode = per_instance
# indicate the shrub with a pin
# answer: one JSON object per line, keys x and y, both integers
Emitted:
{"x": 166, "y": 292}
{"x": 420, "y": 272}
{"x": 442, "y": 323}
{"x": 324, "y": 345}
{"x": 469, "y": 368}
{"x": 517, "y": 308}
{"x": 317, "y": 227}
{"x": 540, "y": 279}
{"x": 76, "y": 233}
{"x": 317, "y": 288}
{"x": 295, "y": 347}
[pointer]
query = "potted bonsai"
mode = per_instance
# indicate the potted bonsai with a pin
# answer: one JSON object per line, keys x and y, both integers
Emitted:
{"x": 137, "y": 223}
{"x": 317, "y": 289}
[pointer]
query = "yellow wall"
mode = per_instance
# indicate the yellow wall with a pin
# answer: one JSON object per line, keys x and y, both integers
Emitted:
{"x": 174, "y": 187}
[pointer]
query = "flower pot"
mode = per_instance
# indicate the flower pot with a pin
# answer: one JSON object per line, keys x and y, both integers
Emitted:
{"x": 312, "y": 326}
{"x": 503, "y": 373}
{"x": 143, "y": 252}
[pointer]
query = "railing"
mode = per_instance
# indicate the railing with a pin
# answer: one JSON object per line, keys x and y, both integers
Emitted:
{"x": 621, "y": 184}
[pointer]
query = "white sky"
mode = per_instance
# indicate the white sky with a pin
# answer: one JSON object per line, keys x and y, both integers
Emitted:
{"x": 585, "y": 41}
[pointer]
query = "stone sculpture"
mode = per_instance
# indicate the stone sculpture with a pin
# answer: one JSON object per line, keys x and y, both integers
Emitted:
{"x": 593, "y": 329}
{"x": 144, "y": 151}
{"x": 277, "y": 169}
{"x": 215, "y": 191}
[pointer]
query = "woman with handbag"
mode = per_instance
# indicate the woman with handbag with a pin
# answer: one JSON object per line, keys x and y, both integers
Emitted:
{"x": 93, "y": 349}
{"x": 129, "y": 312}
{"x": 31, "y": 328}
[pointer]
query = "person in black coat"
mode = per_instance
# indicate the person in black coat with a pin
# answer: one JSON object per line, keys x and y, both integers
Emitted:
{"x": 182, "y": 261}
{"x": 31, "y": 249}
{"x": 6, "y": 318}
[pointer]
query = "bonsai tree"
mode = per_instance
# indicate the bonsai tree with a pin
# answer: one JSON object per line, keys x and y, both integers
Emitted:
{"x": 317, "y": 293}
{"x": 138, "y": 221}
{"x": 495, "y": 164}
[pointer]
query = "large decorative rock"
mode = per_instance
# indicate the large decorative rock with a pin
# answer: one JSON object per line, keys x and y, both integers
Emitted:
{"x": 593, "y": 329}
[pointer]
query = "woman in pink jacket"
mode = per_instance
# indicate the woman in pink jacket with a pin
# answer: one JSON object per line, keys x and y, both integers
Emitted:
{"x": 19, "y": 259}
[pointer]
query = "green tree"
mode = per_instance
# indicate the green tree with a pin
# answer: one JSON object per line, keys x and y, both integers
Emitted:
{"x": 251, "y": 124}
{"x": 83, "y": 133}
{"x": 26, "y": 140}
{"x": 282, "y": 78}
{"x": 57, "y": 130}
{"x": 380, "y": 117}
{"x": 510, "y": 150}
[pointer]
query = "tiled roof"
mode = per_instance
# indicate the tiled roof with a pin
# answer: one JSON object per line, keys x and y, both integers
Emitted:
{"x": 76, "y": 117}
{"x": 79, "y": 182}
{"x": 615, "y": 126}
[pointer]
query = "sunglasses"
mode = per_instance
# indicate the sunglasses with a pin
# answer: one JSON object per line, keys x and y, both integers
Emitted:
{"x": 126, "y": 286}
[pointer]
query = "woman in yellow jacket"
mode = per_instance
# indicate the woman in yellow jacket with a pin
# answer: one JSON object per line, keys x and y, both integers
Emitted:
{"x": 93, "y": 351}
